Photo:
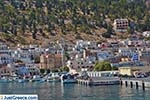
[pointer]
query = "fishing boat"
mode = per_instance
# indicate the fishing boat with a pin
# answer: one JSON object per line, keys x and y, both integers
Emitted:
{"x": 68, "y": 78}
{"x": 52, "y": 77}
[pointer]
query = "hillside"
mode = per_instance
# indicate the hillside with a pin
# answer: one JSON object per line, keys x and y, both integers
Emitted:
{"x": 34, "y": 21}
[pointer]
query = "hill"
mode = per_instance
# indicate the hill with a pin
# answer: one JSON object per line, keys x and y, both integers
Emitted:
{"x": 34, "y": 21}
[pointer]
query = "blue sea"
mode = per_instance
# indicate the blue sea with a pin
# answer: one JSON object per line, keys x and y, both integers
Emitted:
{"x": 58, "y": 91}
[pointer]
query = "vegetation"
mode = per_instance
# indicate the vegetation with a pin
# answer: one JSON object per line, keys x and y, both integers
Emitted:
{"x": 18, "y": 61}
{"x": 42, "y": 71}
{"x": 50, "y": 17}
{"x": 37, "y": 59}
{"x": 102, "y": 66}
{"x": 63, "y": 69}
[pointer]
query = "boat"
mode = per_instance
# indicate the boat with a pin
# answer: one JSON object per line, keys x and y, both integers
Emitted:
{"x": 68, "y": 78}
{"x": 5, "y": 80}
{"x": 22, "y": 80}
{"x": 52, "y": 77}
{"x": 37, "y": 78}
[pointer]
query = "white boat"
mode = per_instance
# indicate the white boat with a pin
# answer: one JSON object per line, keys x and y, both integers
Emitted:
{"x": 22, "y": 80}
{"x": 37, "y": 78}
{"x": 52, "y": 77}
{"x": 5, "y": 80}
{"x": 68, "y": 78}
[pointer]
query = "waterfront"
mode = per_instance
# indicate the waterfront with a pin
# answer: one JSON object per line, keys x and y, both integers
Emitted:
{"x": 57, "y": 91}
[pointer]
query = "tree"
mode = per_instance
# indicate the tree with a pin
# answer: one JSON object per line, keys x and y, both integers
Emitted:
{"x": 62, "y": 69}
{"x": 102, "y": 66}
{"x": 114, "y": 68}
{"x": 37, "y": 59}
{"x": 42, "y": 70}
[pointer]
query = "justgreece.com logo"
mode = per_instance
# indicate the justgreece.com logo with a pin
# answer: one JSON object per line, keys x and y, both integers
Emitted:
{"x": 1, "y": 97}
{"x": 18, "y": 97}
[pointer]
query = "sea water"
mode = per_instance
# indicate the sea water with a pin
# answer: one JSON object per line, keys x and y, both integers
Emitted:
{"x": 58, "y": 91}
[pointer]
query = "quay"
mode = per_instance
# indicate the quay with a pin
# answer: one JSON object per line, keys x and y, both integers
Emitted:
{"x": 128, "y": 82}
{"x": 136, "y": 82}
{"x": 97, "y": 81}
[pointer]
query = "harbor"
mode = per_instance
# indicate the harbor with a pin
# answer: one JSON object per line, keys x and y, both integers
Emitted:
{"x": 58, "y": 91}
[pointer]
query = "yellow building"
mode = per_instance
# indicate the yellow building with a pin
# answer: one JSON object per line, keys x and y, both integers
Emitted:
{"x": 130, "y": 70}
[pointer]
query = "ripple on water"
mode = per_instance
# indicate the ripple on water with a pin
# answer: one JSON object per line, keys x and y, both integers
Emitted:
{"x": 57, "y": 91}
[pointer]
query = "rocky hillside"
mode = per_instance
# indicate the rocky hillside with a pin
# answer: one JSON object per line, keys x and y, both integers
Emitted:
{"x": 34, "y": 21}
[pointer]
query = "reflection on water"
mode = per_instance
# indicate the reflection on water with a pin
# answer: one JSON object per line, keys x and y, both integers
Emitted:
{"x": 58, "y": 91}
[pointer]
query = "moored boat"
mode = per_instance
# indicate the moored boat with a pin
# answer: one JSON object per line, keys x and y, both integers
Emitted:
{"x": 68, "y": 78}
{"x": 5, "y": 80}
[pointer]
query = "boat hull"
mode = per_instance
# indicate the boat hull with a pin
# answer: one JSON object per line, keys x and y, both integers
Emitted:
{"x": 69, "y": 81}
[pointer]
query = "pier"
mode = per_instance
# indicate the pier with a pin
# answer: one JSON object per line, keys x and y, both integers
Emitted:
{"x": 136, "y": 82}
{"x": 132, "y": 82}
{"x": 97, "y": 81}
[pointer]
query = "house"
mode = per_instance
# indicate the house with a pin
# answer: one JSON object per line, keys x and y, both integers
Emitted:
{"x": 6, "y": 59}
{"x": 121, "y": 25}
{"x": 25, "y": 68}
{"x": 4, "y": 49}
{"x": 146, "y": 34}
{"x": 83, "y": 64}
{"x": 145, "y": 57}
{"x": 80, "y": 45}
{"x": 104, "y": 55}
{"x": 22, "y": 54}
{"x": 124, "y": 51}
{"x": 6, "y": 71}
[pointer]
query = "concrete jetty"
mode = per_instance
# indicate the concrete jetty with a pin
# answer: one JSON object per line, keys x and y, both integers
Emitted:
{"x": 97, "y": 81}
{"x": 136, "y": 82}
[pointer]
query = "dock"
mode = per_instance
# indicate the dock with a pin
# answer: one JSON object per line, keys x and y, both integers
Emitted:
{"x": 136, "y": 82}
{"x": 97, "y": 81}
{"x": 128, "y": 82}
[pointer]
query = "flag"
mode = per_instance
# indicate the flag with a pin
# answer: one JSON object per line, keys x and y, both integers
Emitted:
{"x": 135, "y": 57}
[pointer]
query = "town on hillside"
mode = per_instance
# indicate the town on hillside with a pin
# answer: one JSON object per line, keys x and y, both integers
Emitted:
{"x": 125, "y": 56}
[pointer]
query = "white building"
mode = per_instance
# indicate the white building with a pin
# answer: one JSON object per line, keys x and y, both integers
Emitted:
{"x": 121, "y": 25}
{"x": 146, "y": 34}
{"x": 5, "y": 59}
{"x": 80, "y": 44}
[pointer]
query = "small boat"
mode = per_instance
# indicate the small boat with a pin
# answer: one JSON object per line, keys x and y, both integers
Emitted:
{"x": 22, "y": 80}
{"x": 37, "y": 78}
{"x": 68, "y": 78}
{"x": 52, "y": 77}
{"x": 5, "y": 80}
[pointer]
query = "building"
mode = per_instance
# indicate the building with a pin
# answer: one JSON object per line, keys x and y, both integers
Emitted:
{"x": 82, "y": 64}
{"x": 146, "y": 34}
{"x": 130, "y": 70}
{"x": 121, "y": 25}
{"x": 5, "y": 59}
{"x": 6, "y": 71}
{"x": 4, "y": 49}
{"x": 51, "y": 61}
{"x": 25, "y": 68}
{"x": 145, "y": 57}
